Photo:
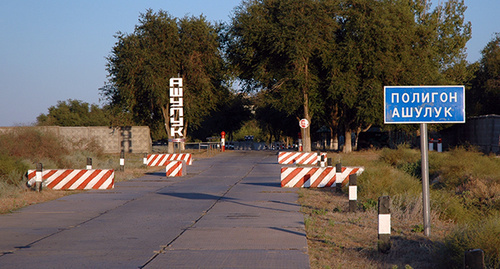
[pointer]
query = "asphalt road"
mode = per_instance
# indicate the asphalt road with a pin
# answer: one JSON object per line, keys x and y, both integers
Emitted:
{"x": 228, "y": 212}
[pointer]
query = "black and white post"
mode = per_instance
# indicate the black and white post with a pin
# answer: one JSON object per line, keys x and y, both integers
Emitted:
{"x": 474, "y": 259}
{"x": 89, "y": 163}
{"x": 39, "y": 177}
{"x": 353, "y": 192}
{"x": 338, "y": 172}
{"x": 384, "y": 224}
{"x": 122, "y": 161}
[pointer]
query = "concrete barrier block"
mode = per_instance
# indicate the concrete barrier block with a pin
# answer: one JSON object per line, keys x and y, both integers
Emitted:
{"x": 75, "y": 179}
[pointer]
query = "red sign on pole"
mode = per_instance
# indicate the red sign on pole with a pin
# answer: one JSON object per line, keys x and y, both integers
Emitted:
{"x": 304, "y": 123}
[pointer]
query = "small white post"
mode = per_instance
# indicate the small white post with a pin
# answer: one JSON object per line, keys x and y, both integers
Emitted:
{"x": 89, "y": 163}
{"x": 122, "y": 161}
{"x": 353, "y": 192}
{"x": 384, "y": 224}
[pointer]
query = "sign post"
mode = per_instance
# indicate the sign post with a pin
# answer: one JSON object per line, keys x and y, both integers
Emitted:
{"x": 304, "y": 124}
{"x": 223, "y": 141}
{"x": 176, "y": 112}
{"x": 423, "y": 105}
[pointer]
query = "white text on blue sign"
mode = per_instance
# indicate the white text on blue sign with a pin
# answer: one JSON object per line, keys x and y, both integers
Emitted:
{"x": 424, "y": 104}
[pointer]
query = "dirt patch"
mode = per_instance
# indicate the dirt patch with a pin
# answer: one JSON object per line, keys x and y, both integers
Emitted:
{"x": 338, "y": 238}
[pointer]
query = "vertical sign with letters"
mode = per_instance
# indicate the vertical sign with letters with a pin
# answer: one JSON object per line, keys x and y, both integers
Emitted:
{"x": 176, "y": 108}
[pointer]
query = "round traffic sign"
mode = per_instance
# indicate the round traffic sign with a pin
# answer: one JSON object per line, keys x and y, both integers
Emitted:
{"x": 304, "y": 123}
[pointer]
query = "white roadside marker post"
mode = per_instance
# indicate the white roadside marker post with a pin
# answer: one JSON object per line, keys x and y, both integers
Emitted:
{"x": 384, "y": 224}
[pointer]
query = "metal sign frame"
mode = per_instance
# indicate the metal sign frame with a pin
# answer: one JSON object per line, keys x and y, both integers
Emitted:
{"x": 424, "y": 104}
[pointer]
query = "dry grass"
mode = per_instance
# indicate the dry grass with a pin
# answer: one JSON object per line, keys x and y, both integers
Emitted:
{"x": 20, "y": 197}
{"x": 14, "y": 197}
{"x": 341, "y": 239}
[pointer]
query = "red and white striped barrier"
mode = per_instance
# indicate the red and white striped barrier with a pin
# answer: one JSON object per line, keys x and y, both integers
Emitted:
{"x": 175, "y": 168}
{"x": 315, "y": 177}
{"x": 161, "y": 159}
{"x": 310, "y": 158}
{"x": 75, "y": 179}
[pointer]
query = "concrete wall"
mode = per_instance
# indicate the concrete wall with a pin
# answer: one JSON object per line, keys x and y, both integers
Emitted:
{"x": 131, "y": 139}
{"x": 482, "y": 131}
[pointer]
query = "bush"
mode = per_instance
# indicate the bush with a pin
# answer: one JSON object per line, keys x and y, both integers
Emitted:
{"x": 23, "y": 147}
{"x": 484, "y": 234}
{"x": 382, "y": 179}
{"x": 11, "y": 169}
{"x": 405, "y": 159}
{"x": 34, "y": 145}
{"x": 457, "y": 167}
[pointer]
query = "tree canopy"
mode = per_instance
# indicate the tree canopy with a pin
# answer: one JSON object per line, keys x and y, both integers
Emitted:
{"x": 329, "y": 59}
{"x": 323, "y": 60}
{"x": 162, "y": 47}
{"x": 484, "y": 95}
{"x": 74, "y": 113}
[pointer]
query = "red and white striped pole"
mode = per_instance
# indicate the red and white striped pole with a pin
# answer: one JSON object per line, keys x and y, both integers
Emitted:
{"x": 300, "y": 142}
{"x": 223, "y": 141}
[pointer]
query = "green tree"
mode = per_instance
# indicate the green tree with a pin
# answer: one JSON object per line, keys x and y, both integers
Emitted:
{"x": 274, "y": 123}
{"x": 484, "y": 96}
{"x": 394, "y": 42}
{"x": 162, "y": 47}
{"x": 275, "y": 46}
{"x": 74, "y": 113}
{"x": 229, "y": 117}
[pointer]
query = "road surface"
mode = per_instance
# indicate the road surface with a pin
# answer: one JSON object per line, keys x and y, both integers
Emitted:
{"x": 228, "y": 212}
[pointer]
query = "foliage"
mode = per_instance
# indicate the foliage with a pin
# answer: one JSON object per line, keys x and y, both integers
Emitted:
{"x": 483, "y": 234}
{"x": 274, "y": 122}
{"x": 33, "y": 145}
{"x": 162, "y": 47}
{"x": 329, "y": 60}
{"x": 74, "y": 113}
{"x": 465, "y": 192}
{"x": 275, "y": 45}
{"x": 11, "y": 169}
{"x": 231, "y": 114}
{"x": 466, "y": 183}
{"x": 484, "y": 95}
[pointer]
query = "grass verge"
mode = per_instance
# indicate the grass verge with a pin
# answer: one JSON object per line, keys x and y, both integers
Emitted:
{"x": 464, "y": 211}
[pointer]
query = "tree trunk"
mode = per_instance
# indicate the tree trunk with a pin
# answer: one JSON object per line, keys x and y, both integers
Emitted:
{"x": 358, "y": 131}
{"x": 334, "y": 144}
{"x": 166, "y": 118}
{"x": 306, "y": 136}
{"x": 183, "y": 144}
{"x": 348, "y": 141}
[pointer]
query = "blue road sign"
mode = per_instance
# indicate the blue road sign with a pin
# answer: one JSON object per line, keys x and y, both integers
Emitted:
{"x": 424, "y": 104}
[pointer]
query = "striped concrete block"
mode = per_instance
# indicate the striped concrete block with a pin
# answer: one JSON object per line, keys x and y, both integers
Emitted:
{"x": 75, "y": 179}
{"x": 316, "y": 177}
{"x": 161, "y": 159}
{"x": 310, "y": 158}
{"x": 175, "y": 168}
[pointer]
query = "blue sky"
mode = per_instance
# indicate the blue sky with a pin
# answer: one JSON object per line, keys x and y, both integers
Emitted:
{"x": 54, "y": 50}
